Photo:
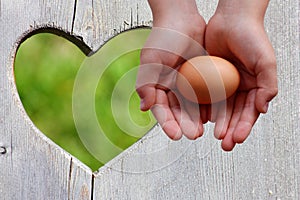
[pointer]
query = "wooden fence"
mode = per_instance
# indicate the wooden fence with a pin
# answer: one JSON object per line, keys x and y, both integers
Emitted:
{"x": 267, "y": 166}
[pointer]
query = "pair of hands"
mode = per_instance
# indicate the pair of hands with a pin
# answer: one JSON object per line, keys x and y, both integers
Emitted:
{"x": 238, "y": 37}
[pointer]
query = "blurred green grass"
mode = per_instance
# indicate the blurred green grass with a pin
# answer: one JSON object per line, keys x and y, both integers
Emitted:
{"x": 45, "y": 68}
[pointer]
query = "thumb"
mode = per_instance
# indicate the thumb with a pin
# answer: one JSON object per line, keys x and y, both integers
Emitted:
{"x": 147, "y": 95}
{"x": 147, "y": 79}
{"x": 267, "y": 86}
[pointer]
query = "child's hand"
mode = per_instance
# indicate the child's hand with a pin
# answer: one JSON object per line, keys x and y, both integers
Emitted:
{"x": 237, "y": 34}
{"x": 178, "y": 32}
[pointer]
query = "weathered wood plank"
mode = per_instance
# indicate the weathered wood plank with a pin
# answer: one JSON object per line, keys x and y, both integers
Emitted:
{"x": 33, "y": 166}
{"x": 98, "y": 21}
{"x": 283, "y": 125}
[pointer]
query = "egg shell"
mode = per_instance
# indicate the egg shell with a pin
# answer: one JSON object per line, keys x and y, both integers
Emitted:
{"x": 207, "y": 79}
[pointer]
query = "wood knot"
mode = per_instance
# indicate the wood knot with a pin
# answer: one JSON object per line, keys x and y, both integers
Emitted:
{"x": 3, "y": 150}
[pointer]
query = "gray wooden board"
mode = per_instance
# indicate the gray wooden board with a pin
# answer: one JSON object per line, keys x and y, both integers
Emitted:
{"x": 266, "y": 166}
{"x": 33, "y": 167}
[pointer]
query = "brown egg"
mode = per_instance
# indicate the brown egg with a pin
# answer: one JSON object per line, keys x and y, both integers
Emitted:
{"x": 207, "y": 79}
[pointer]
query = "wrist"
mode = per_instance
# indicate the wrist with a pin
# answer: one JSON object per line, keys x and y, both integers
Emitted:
{"x": 173, "y": 10}
{"x": 243, "y": 9}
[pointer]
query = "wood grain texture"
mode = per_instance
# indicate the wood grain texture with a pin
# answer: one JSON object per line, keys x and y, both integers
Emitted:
{"x": 97, "y": 21}
{"x": 33, "y": 166}
{"x": 265, "y": 167}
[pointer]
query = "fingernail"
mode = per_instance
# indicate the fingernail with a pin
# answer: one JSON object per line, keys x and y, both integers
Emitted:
{"x": 266, "y": 107}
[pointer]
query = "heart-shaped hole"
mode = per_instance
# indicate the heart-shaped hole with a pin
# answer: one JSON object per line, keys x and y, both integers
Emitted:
{"x": 46, "y": 67}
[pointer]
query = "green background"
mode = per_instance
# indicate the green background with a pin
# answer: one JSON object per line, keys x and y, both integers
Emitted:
{"x": 45, "y": 68}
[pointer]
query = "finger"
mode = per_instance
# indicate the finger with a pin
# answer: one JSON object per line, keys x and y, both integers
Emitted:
{"x": 212, "y": 111}
{"x": 267, "y": 87}
{"x": 228, "y": 142}
{"x": 193, "y": 111}
{"x": 248, "y": 117}
{"x": 188, "y": 127}
{"x": 223, "y": 118}
{"x": 165, "y": 117}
